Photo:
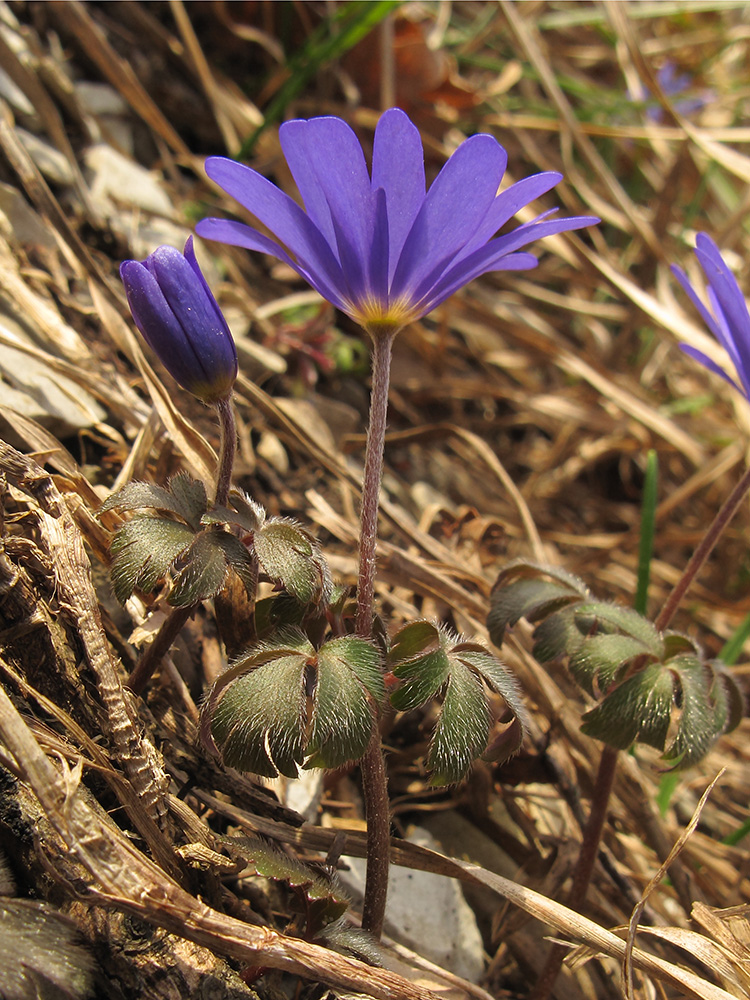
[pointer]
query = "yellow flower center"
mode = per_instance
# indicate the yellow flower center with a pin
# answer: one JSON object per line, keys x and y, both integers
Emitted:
{"x": 379, "y": 319}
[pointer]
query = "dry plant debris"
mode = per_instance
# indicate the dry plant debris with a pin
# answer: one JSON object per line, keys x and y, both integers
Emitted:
{"x": 522, "y": 411}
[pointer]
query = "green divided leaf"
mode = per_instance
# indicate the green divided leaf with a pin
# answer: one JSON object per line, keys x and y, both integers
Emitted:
{"x": 144, "y": 548}
{"x": 259, "y": 721}
{"x": 608, "y": 617}
{"x": 349, "y": 685}
{"x": 638, "y": 709}
{"x": 527, "y": 590}
{"x": 290, "y": 555}
{"x": 601, "y": 659}
{"x": 204, "y": 572}
{"x": 244, "y": 512}
{"x": 325, "y": 901}
{"x": 283, "y": 704}
{"x": 184, "y": 496}
{"x": 190, "y": 497}
{"x": 462, "y": 731}
{"x": 432, "y": 662}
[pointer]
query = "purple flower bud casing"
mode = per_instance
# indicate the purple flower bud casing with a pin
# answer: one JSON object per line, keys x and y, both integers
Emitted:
{"x": 180, "y": 320}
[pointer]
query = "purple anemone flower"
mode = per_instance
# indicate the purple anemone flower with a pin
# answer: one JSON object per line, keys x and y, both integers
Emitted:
{"x": 181, "y": 322}
{"x": 378, "y": 246}
{"x": 728, "y": 321}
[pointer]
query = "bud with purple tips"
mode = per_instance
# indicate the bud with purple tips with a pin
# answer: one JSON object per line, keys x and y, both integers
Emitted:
{"x": 176, "y": 313}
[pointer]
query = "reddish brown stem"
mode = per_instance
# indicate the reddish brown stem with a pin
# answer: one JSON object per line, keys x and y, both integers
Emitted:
{"x": 704, "y": 550}
{"x": 171, "y": 628}
{"x": 592, "y": 836}
{"x": 374, "y": 775}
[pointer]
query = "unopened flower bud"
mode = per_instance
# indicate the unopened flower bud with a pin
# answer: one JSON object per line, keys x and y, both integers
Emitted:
{"x": 179, "y": 318}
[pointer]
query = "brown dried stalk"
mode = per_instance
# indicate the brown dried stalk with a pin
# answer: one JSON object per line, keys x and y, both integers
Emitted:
{"x": 127, "y": 879}
{"x": 77, "y": 600}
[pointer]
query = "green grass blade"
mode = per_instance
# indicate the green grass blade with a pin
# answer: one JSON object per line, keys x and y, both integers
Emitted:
{"x": 648, "y": 522}
{"x": 332, "y": 38}
{"x": 733, "y": 647}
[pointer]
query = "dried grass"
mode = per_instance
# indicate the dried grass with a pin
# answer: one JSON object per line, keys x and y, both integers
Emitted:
{"x": 521, "y": 415}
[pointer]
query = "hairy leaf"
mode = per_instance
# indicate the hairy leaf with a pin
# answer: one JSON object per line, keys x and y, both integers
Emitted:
{"x": 349, "y": 685}
{"x": 418, "y": 657}
{"x": 238, "y": 557}
{"x": 462, "y": 731}
{"x": 190, "y": 496}
{"x": 143, "y": 549}
{"x": 638, "y": 709}
{"x": 609, "y": 617}
{"x": 41, "y": 956}
{"x": 290, "y": 555}
{"x": 600, "y": 659}
{"x": 204, "y": 572}
{"x": 527, "y": 590}
{"x": 244, "y": 512}
{"x": 183, "y": 496}
{"x": 557, "y": 635}
{"x": 431, "y": 661}
{"x": 259, "y": 721}
{"x": 497, "y": 676}
{"x": 325, "y": 899}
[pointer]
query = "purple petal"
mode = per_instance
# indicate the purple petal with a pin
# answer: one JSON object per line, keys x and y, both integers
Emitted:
{"x": 398, "y": 168}
{"x": 280, "y": 214}
{"x": 507, "y": 204}
{"x": 453, "y": 209}
{"x": 450, "y": 284}
{"x": 158, "y": 325}
{"x": 378, "y": 264}
{"x": 237, "y": 234}
{"x": 729, "y": 305}
{"x": 330, "y": 170}
{"x": 189, "y": 255}
{"x": 490, "y": 256}
{"x": 293, "y": 136}
{"x": 706, "y": 316}
{"x": 712, "y": 366}
{"x": 191, "y": 301}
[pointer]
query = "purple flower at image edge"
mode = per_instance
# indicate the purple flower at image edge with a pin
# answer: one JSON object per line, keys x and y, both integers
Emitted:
{"x": 180, "y": 320}
{"x": 377, "y": 245}
{"x": 728, "y": 318}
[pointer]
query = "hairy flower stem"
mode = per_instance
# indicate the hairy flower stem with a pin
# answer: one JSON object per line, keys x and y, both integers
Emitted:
{"x": 719, "y": 523}
{"x": 608, "y": 763}
{"x": 161, "y": 645}
{"x": 171, "y": 628}
{"x": 592, "y": 836}
{"x": 374, "y": 777}
{"x": 227, "y": 450}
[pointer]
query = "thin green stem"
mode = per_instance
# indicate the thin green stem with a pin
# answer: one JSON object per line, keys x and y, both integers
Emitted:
{"x": 171, "y": 628}
{"x": 374, "y": 775}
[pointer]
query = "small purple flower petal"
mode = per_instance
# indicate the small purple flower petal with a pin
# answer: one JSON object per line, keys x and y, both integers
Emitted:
{"x": 453, "y": 208}
{"x": 711, "y": 365}
{"x": 237, "y": 234}
{"x": 180, "y": 320}
{"x": 401, "y": 177}
{"x": 505, "y": 206}
{"x": 378, "y": 246}
{"x": 332, "y": 161}
{"x": 276, "y": 210}
{"x": 729, "y": 322}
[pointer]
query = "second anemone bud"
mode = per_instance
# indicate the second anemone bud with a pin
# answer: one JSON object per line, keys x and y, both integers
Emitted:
{"x": 179, "y": 318}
